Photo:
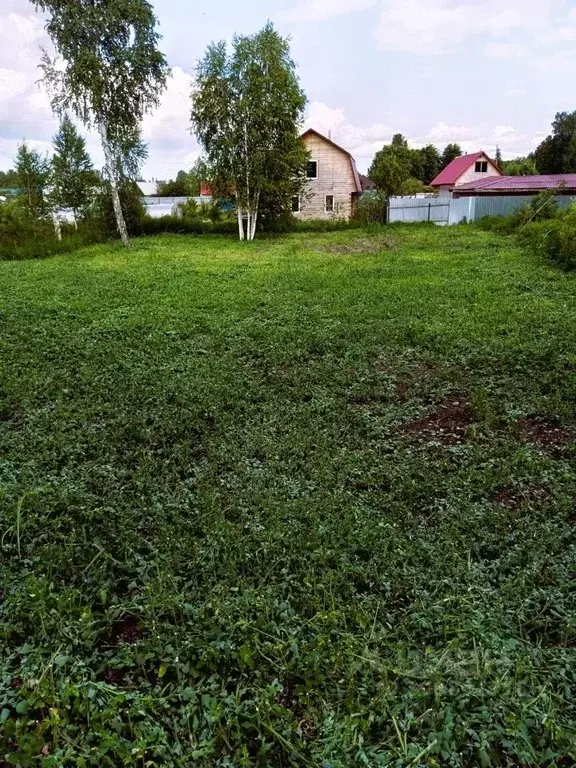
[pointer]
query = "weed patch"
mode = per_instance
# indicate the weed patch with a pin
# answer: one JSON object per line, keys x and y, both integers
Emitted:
{"x": 246, "y": 516}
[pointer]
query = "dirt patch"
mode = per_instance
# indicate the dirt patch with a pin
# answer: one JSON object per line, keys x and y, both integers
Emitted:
{"x": 357, "y": 246}
{"x": 513, "y": 498}
{"x": 448, "y": 425}
{"x": 548, "y": 436}
{"x": 289, "y": 699}
{"x": 115, "y": 676}
{"x": 127, "y": 630}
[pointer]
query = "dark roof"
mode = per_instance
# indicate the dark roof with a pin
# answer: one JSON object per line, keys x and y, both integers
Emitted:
{"x": 456, "y": 168}
{"x": 337, "y": 146}
{"x": 367, "y": 183}
{"x": 518, "y": 184}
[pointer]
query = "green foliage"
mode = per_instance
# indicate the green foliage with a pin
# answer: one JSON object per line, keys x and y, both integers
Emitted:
{"x": 24, "y": 237}
{"x": 174, "y": 188}
{"x": 430, "y": 163}
{"x": 246, "y": 112}
{"x": 186, "y": 184}
{"x": 553, "y": 238}
{"x": 73, "y": 177}
{"x": 225, "y": 542}
{"x": 8, "y": 179}
{"x": 194, "y": 225}
{"x": 451, "y": 152}
{"x": 390, "y": 169}
{"x": 102, "y": 213}
{"x": 33, "y": 172}
{"x": 371, "y": 208}
{"x": 557, "y": 153}
{"x": 520, "y": 166}
{"x": 110, "y": 74}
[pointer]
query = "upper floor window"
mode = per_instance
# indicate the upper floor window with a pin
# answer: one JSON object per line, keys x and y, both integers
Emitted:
{"x": 482, "y": 166}
{"x": 312, "y": 169}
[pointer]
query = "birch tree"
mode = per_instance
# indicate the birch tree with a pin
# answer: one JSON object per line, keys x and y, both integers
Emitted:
{"x": 247, "y": 106}
{"x": 109, "y": 72}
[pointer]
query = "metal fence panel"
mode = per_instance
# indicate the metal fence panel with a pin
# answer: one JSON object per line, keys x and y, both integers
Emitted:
{"x": 410, "y": 209}
{"x": 507, "y": 205}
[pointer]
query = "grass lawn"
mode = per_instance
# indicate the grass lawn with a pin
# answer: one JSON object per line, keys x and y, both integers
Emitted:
{"x": 302, "y": 503}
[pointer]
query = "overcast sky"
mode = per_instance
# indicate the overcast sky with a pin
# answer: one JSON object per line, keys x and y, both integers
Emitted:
{"x": 478, "y": 72}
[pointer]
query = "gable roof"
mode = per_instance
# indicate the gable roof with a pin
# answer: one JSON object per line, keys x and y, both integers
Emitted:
{"x": 563, "y": 182}
{"x": 456, "y": 168}
{"x": 355, "y": 173}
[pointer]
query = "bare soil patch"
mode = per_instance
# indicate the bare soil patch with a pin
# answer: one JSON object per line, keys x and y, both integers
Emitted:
{"x": 513, "y": 498}
{"x": 127, "y": 630}
{"x": 548, "y": 436}
{"x": 448, "y": 425}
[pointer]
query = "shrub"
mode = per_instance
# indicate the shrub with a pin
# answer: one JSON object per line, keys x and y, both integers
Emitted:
{"x": 102, "y": 213}
{"x": 371, "y": 209}
{"x": 503, "y": 225}
{"x": 182, "y": 226}
{"x": 554, "y": 239}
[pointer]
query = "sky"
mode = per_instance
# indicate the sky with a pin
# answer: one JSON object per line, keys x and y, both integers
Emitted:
{"x": 483, "y": 73}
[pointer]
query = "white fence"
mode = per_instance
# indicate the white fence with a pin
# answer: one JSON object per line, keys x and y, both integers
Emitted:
{"x": 445, "y": 210}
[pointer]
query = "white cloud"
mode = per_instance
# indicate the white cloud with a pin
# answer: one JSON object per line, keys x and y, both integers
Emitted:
{"x": 556, "y": 63}
{"x": 318, "y": 10}
{"x": 505, "y": 50}
{"x": 438, "y": 26}
{"x": 363, "y": 143}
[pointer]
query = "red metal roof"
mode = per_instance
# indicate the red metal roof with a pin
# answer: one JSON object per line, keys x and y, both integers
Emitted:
{"x": 518, "y": 184}
{"x": 355, "y": 173}
{"x": 456, "y": 168}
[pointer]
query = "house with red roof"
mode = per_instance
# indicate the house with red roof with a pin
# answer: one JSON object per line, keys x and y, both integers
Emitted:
{"x": 333, "y": 182}
{"x": 465, "y": 170}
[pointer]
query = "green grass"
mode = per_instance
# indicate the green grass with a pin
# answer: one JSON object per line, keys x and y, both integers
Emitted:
{"x": 222, "y": 546}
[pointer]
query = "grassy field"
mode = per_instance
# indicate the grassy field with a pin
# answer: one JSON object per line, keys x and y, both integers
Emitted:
{"x": 305, "y": 503}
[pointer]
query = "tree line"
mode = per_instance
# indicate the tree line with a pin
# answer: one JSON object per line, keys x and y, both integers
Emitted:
{"x": 247, "y": 108}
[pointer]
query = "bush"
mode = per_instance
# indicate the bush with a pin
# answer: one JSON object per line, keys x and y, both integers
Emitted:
{"x": 502, "y": 225}
{"x": 554, "y": 239}
{"x": 372, "y": 208}
{"x": 182, "y": 226}
{"x": 102, "y": 214}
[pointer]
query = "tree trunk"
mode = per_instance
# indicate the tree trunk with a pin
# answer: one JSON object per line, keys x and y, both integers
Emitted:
{"x": 255, "y": 216}
{"x": 109, "y": 166}
{"x": 240, "y": 222}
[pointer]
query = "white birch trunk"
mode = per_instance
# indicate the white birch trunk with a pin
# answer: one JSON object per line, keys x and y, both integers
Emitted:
{"x": 255, "y": 216}
{"x": 109, "y": 165}
{"x": 57, "y": 228}
{"x": 240, "y": 223}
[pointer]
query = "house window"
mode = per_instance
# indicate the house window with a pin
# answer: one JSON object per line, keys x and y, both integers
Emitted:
{"x": 482, "y": 166}
{"x": 295, "y": 204}
{"x": 329, "y": 203}
{"x": 312, "y": 169}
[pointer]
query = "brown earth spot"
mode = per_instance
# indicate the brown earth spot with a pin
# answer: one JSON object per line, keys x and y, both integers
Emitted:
{"x": 448, "y": 425}
{"x": 512, "y": 498}
{"x": 115, "y": 676}
{"x": 288, "y": 698}
{"x": 127, "y": 630}
{"x": 539, "y": 431}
